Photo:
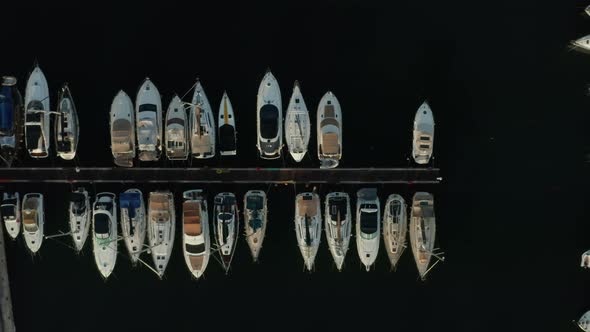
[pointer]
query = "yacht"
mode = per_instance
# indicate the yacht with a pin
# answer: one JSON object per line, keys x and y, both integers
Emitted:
{"x": 226, "y": 225}
{"x": 329, "y": 131}
{"x": 148, "y": 119}
{"x": 177, "y": 128}
{"x": 584, "y": 322}
{"x": 196, "y": 244}
{"x": 104, "y": 232}
{"x": 395, "y": 227}
{"x": 297, "y": 125}
{"x": 308, "y": 226}
{"x": 423, "y": 141}
{"x": 161, "y": 225}
{"x": 10, "y": 211}
{"x": 422, "y": 230}
{"x": 122, "y": 130}
{"x": 37, "y": 114}
{"x": 10, "y": 119}
{"x": 269, "y": 118}
{"x": 133, "y": 224}
{"x": 67, "y": 128}
{"x": 338, "y": 224}
{"x": 368, "y": 224}
{"x": 80, "y": 217}
{"x": 255, "y": 219}
{"x": 227, "y": 127}
{"x": 202, "y": 125}
{"x": 33, "y": 220}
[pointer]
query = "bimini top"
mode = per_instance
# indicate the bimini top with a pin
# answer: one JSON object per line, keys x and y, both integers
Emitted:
{"x": 6, "y": 110}
{"x": 269, "y": 115}
{"x": 131, "y": 202}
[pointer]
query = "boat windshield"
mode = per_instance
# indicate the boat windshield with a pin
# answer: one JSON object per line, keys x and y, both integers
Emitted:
{"x": 225, "y": 216}
{"x": 369, "y": 224}
{"x": 101, "y": 224}
{"x": 8, "y": 211}
{"x": 195, "y": 249}
{"x": 269, "y": 123}
{"x": 30, "y": 220}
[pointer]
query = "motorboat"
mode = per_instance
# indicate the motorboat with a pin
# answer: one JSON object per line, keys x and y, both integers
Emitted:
{"x": 584, "y": 322}
{"x": 148, "y": 119}
{"x": 161, "y": 226}
{"x": 255, "y": 219}
{"x": 226, "y": 226}
{"x": 80, "y": 217}
{"x": 37, "y": 115}
{"x": 202, "y": 125}
{"x": 585, "y": 259}
{"x": 423, "y": 142}
{"x": 177, "y": 127}
{"x": 308, "y": 226}
{"x": 104, "y": 232}
{"x": 11, "y": 122}
{"x": 329, "y": 131}
{"x": 582, "y": 44}
{"x": 227, "y": 128}
{"x": 67, "y": 128}
{"x": 368, "y": 226}
{"x": 422, "y": 230}
{"x": 269, "y": 118}
{"x": 133, "y": 224}
{"x": 338, "y": 224}
{"x": 395, "y": 227}
{"x": 122, "y": 130}
{"x": 196, "y": 244}
{"x": 10, "y": 212}
{"x": 33, "y": 220}
{"x": 297, "y": 125}
{"x": 587, "y": 10}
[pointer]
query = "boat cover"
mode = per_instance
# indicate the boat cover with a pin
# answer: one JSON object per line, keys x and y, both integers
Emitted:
{"x": 269, "y": 124}
{"x": 227, "y": 138}
{"x": 101, "y": 223}
{"x": 6, "y": 111}
{"x": 130, "y": 201}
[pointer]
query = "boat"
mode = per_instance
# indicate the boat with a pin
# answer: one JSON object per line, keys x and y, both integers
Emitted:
{"x": 368, "y": 224}
{"x": 585, "y": 259}
{"x": 202, "y": 125}
{"x": 196, "y": 244}
{"x": 177, "y": 128}
{"x": 104, "y": 233}
{"x": 161, "y": 225}
{"x": 308, "y": 226}
{"x": 11, "y": 123}
{"x": 80, "y": 217}
{"x": 423, "y": 141}
{"x": 10, "y": 211}
{"x": 338, "y": 223}
{"x": 33, "y": 220}
{"x": 225, "y": 227}
{"x": 587, "y": 10}
{"x": 269, "y": 118}
{"x": 297, "y": 125}
{"x": 395, "y": 227}
{"x": 422, "y": 230}
{"x": 67, "y": 128}
{"x": 329, "y": 131}
{"x": 133, "y": 224}
{"x": 584, "y": 322}
{"x": 148, "y": 119}
{"x": 37, "y": 115}
{"x": 255, "y": 219}
{"x": 122, "y": 130}
{"x": 581, "y": 44}
{"x": 227, "y": 128}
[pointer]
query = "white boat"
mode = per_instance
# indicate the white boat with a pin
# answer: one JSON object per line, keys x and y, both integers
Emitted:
{"x": 395, "y": 227}
{"x": 582, "y": 44}
{"x": 227, "y": 128}
{"x": 133, "y": 223}
{"x": 338, "y": 224}
{"x": 80, "y": 217}
{"x": 11, "y": 123}
{"x": 269, "y": 118}
{"x": 10, "y": 211}
{"x": 148, "y": 119}
{"x": 122, "y": 130}
{"x": 585, "y": 259}
{"x": 308, "y": 226}
{"x": 422, "y": 230}
{"x": 587, "y": 10}
{"x": 177, "y": 128}
{"x": 329, "y": 131}
{"x": 226, "y": 226}
{"x": 37, "y": 115}
{"x": 255, "y": 219}
{"x": 202, "y": 125}
{"x": 33, "y": 220}
{"x": 584, "y": 322}
{"x": 66, "y": 125}
{"x": 104, "y": 232}
{"x": 297, "y": 125}
{"x": 423, "y": 141}
{"x": 196, "y": 244}
{"x": 368, "y": 226}
{"x": 161, "y": 226}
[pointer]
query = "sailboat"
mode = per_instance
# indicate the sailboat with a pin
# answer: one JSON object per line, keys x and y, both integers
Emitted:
{"x": 329, "y": 131}
{"x": 338, "y": 223}
{"x": 422, "y": 230}
{"x": 104, "y": 233}
{"x": 225, "y": 227}
{"x": 11, "y": 121}
{"x": 269, "y": 118}
{"x": 368, "y": 224}
{"x": 10, "y": 211}
{"x": 122, "y": 130}
{"x": 148, "y": 119}
{"x": 196, "y": 244}
{"x": 177, "y": 128}
{"x": 33, "y": 220}
{"x": 161, "y": 225}
{"x": 255, "y": 220}
{"x": 395, "y": 227}
{"x": 80, "y": 217}
{"x": 423, "y": 141}
{"x": 133, "y": 223}
{"x": 202, "y": 125}
{"x": 227, "y": 127}
{"x": 297, "y": 125}
{"x": 37, "y": 115}
{"x": 308, "y": 226}
{"x": 66, "y": 125}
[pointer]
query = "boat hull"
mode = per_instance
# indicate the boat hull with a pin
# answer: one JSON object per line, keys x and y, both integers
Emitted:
{"x": 269, "y": 118}
{"x": 37, "y": 116}
{"x": 297, "y": 125}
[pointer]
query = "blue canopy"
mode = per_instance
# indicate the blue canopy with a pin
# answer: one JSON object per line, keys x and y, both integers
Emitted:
{"x": 130, "y": 201}
{"x": 6, "y": 109}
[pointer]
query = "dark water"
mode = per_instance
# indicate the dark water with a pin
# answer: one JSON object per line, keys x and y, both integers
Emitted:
{"x": 508, "y": 100}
